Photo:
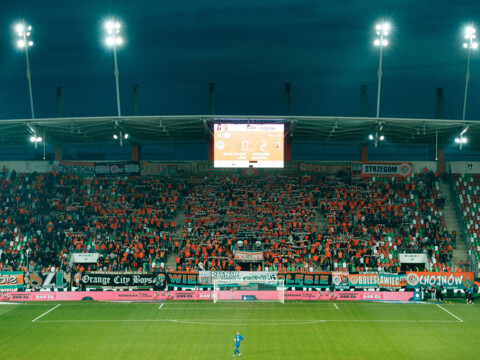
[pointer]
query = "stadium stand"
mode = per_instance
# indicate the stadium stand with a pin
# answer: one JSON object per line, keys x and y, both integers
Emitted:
{"x": 131, "y": 222}
{"x": 274, "y": 212}
{"x": 46, "y": 217}
{"x": 468, "y": 190}
{"x": 372, "y": 220}
{"x": 369, "y": 222}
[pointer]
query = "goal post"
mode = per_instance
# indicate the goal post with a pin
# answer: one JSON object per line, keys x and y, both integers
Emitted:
{"x": 251, "y": 290}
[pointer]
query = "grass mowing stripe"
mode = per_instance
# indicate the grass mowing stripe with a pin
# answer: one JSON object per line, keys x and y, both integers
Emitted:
{"x": 45, "y": 313}
{"x": 245, "y": 321}
{"x": 455, "y": 316}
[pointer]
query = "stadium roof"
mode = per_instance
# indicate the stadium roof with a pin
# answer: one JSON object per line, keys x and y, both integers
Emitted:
{"x": 142, "y": 129}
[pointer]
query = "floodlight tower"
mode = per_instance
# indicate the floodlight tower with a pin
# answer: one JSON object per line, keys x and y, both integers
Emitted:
{"x": 382, "y": 29}
{"x": 114, "y": 39}
{"x": 24, "y": 31}
{"x": 469, "y": 44}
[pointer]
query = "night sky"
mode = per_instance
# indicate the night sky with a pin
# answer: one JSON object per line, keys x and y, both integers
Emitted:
{"x": 249, "y": 48}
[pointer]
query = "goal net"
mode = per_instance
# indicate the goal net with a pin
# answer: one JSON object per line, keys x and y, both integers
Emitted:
{"x": 252, "y": 290}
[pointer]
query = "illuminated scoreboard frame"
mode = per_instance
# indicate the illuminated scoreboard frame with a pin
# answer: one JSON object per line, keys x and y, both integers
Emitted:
{"x": 248, "y": 145}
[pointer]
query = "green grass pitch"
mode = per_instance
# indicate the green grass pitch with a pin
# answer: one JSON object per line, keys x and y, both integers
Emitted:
{"x": 203, "y": 330}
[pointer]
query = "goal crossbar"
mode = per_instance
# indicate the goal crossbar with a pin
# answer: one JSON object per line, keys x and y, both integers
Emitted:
{"x": 248, "y": 290}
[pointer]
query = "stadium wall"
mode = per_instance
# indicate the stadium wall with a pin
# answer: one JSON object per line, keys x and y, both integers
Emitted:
{"x": 49, "y": 165}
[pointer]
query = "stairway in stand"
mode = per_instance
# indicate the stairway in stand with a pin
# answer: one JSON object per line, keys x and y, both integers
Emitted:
{"x": 179, "y": 221}
{"x": 321, "y": 223}
{"x": 452, "y": 223}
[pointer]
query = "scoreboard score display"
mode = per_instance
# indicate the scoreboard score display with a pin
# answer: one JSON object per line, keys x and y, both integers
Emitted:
{"x": 248, "y": 145}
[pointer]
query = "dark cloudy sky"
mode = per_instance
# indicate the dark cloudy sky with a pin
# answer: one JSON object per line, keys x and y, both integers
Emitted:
{"x": 249, "y": 48}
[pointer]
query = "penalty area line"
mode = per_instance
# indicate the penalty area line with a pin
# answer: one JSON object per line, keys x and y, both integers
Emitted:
{"x": 46, "y": 312}
{"x": 455, "y": 316}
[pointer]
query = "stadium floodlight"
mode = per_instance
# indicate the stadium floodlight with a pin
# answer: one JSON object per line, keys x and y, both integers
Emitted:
{"x": 382, "y": 30}
{"x": 470, "y": 43}
{"x": 24, "y": 32}
{"x": 35, "y": 139}
{"x": 376, "y": 137}
{"x": 113, "y": 39}
{"x": 460, "y": 141}
{"x": 120, "y": 136}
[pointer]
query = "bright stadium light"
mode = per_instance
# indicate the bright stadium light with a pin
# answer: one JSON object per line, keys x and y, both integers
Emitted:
{"x": 113, "y": 39}
{"x": 35, "y": 139}
{"x": 382, "y": 30}
{"x": 24, "y": 32}
{"x": 470, "y": 43}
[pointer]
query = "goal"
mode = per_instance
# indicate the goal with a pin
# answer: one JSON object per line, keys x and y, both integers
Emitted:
{"x": 251, "y": 290}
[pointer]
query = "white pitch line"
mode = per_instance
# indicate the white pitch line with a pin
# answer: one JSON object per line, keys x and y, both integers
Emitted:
{"x": 230, "y": 322}
{"x": 45, "y": 313}
{"x": 161, "y": 305}
{"x": 455, "y": 316}
{"x": 336, "y": 307}
{"x": 246, "y": 308}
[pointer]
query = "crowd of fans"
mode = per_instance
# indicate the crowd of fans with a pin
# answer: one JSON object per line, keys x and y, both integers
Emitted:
{"x": 370, "y": 221}
{"x": 299, "y": 222}
{"x": 275, "y": 213}
{"x": 45, "y": 217}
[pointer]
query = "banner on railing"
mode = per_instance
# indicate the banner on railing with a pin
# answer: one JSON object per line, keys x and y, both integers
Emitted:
{"x": 309, "y": 279}
{"x": 413, "y": 258}
{"x": 46, "y": 280}
{"x": 182, "y": 278}
{"x": 103, "y": 168}
{"x": 117, "y": 168}
{"x": 75, "y": 167}
{"x": 84, "y": 258}
{"x": 207, "y": 277}
{"x": 208, "y": 168}
{"x": 122, "y": 280}
{"x": 322, "y": 168}
{"x": 340, "y": 280}
{"x": 448, "y": 280}
{"x": 381, "y": 169}
{"x": 363, "y": 280}
{"x": 247, "y": 256}
{"x": 389, "y": 280}
{"x": 11, "y": 280}
{"x": 160, "y": 168}
{"x": 346, "y": 281}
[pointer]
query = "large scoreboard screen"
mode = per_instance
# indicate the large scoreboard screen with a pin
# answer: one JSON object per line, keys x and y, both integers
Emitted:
{"x": 248, "y": 145}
